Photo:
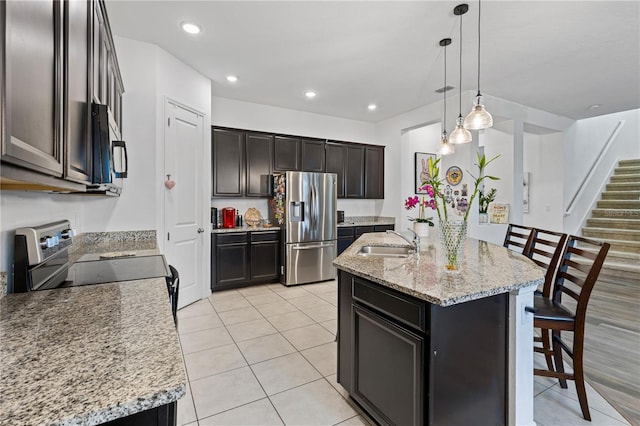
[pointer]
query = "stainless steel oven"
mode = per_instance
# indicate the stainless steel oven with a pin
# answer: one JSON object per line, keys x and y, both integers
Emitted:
{"x": 41, "y": 262}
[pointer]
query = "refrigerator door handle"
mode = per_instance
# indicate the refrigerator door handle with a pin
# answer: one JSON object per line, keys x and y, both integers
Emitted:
{"x": 315, "y": 246}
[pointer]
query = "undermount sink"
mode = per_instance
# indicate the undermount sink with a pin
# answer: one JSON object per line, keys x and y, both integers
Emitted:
{"x": 385, "y": 251}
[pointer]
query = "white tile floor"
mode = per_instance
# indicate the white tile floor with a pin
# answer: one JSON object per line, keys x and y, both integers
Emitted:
{"x": 265, "y": 355}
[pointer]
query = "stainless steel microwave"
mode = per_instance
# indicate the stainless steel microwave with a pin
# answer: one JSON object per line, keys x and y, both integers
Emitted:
{"x": 110, "y": 162}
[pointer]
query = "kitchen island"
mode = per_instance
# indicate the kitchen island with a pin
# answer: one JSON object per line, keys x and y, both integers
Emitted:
{"x": 89, "y": 355}
{"x": 420, "y": 345}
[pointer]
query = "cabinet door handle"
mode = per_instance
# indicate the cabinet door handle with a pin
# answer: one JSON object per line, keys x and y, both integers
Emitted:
{"x": 200, "y": 230}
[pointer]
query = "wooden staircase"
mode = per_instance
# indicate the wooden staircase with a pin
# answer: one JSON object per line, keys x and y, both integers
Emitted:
{"x": 616, "y": 220}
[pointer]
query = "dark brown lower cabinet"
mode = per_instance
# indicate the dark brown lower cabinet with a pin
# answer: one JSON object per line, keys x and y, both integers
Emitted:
{"x": 409, "y": 362}
{"x": 239, "y": 259}
{"x": 165, "y": 415}
{"x": 265, "y": 249}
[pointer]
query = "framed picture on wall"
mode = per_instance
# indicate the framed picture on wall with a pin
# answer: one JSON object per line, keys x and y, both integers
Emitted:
{"x": 422, "y": 170}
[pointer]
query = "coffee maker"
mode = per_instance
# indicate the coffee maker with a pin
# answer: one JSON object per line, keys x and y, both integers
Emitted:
{"x": 228, "y": 217}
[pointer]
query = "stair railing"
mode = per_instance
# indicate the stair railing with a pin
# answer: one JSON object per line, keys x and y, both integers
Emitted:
{"x": 592, "y": 169}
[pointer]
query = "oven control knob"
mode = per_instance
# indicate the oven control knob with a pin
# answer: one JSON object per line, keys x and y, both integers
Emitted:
{"x": 68, "y": 233}
{"x": 52, "y": 242}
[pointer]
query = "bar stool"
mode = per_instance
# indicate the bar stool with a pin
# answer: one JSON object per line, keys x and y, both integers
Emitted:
{"x": 545, "y": 248}
{"x": 575, "y": 278}
{"x": 518, "y": 238}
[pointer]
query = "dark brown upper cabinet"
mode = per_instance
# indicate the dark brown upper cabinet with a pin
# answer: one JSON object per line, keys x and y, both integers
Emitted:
{"x": 57, "y": 57}
{"x": 287, "y": 154}
{"x": 228, "y": 162}
{"x": 33, "y": 85}
{"x": 313, "y": 155}
{"x": 78, "y": 80}
{"x": 107, "y": 81}
{"x": 244, "y": 162}
{"x": 259, "y": 164}
{"x": 335, "y": 155}
{"x": 374, "y": 172}
{"x": 354, "y": 172}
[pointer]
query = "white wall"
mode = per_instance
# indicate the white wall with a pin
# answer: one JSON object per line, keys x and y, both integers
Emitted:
{"x": 583, "y": 143}
{"x": 543, "y": 160}
{"x": 500, "y": 143}
{"x": 266, "y": 118}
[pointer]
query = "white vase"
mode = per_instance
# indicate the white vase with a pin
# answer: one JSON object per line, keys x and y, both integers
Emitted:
{"x": 421, "y": 228}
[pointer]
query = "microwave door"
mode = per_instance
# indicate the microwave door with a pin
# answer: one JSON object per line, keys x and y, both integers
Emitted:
{"x": 101, "y": 145}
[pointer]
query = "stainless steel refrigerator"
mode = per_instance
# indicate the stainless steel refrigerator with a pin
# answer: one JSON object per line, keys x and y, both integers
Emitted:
{"x": 304, "y": 206}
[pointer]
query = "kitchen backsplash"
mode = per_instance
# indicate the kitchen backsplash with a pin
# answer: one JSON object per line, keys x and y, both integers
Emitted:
{"x": 369, "y": 219}
{"x": 104, "y": 237}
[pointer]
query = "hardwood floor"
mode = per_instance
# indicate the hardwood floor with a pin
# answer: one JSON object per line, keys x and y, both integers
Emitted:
{"x": 612, "y": 344}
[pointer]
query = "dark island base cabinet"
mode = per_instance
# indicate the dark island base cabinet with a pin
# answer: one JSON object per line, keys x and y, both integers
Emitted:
{"x": 406, "y": 361}
{"x": 244, "y": 258}
{"x": 165, "y": 415}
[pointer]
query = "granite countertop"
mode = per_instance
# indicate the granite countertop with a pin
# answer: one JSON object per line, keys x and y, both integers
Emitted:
{"x": 86, "y": 355}
{"x": 244, "y": 228}
{"x": 487, "y": 269}
{"x": 367, "y": 221}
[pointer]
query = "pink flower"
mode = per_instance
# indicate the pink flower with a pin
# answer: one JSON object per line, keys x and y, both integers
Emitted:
{"x": 428, "y": 189}
{"x": 411, "y": 202}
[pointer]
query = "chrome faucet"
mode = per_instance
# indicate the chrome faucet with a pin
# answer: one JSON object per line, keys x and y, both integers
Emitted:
{"x": 415, "y": 243}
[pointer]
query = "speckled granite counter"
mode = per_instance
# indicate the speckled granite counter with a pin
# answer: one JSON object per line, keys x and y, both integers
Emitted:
{"x": 487, "y": 269}
{"x": 367, "y": 221}
{"x": 86, "y": 355}
{"x": 92, "y": 245}
{"x": 245, "y": 229}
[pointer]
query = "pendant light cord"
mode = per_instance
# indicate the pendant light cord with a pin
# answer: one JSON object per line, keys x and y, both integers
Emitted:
{"x": 460, "y": 75}
{"x": 479, "y": 8}
{"x": 444, "y": 91}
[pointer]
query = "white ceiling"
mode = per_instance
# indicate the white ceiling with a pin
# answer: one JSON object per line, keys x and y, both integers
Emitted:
{"x": 557, "y": 56}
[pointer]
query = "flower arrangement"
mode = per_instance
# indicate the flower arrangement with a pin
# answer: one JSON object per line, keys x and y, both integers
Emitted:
{"x": 422, "y": 204}
{"x": 436, "y": 184}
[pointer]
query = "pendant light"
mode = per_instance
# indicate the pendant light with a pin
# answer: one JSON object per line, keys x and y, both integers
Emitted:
{"x": 479, "y": 118}
{"x": 460, "y": 134}
{"x": 445, "y": 147}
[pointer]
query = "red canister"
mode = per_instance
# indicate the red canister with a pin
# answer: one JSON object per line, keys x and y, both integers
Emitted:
{"x": 228, "y": 217}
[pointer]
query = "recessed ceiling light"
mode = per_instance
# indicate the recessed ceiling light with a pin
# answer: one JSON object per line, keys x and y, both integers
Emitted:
{"x": 190, "y": 27}
{"x": 310, "y": 94}
{"x": 232, "y": 78}
{"x": 594, "y": 107}
{"x": 372, "y": 107}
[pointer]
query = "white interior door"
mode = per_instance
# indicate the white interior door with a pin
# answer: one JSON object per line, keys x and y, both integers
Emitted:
{"x": 185, "y": 239}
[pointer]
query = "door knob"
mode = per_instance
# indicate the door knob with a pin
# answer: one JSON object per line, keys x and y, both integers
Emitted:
{"x": 200, "y": 230}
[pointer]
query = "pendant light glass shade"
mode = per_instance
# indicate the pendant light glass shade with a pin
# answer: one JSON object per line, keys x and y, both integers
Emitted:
{"x": 479, "y": 118}
{"x": 460, "y": 134}
{"x": 445, "y": 147}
